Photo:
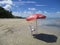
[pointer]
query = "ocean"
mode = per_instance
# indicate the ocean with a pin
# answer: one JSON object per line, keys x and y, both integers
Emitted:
{"x": 49, "y": 22}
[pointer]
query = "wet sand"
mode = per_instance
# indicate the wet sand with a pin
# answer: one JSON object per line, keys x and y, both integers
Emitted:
{"x": 16, "y": 32}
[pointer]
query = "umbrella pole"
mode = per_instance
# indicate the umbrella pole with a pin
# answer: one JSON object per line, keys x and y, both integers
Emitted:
{"x": 36, "y": 27}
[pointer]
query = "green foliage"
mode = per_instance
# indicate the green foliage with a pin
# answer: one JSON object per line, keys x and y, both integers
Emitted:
{"x": 5, "y": 14}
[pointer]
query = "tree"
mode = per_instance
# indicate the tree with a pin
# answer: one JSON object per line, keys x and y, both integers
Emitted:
{"x": 5, "y": 14}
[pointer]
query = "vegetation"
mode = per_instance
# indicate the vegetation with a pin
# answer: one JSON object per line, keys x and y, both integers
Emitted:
{"x": 6, "y": 14}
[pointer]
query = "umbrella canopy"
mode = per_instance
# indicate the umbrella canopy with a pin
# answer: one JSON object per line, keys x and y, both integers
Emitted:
{"x": 35, "y": 16}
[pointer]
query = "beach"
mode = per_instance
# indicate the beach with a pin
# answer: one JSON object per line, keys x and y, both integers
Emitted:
{"x": 17, "y": 32}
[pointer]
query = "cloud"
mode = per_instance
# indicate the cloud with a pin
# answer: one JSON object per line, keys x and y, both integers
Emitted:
{"x": 40, "y": 5}
{"x": 45, "y": 12}
{"x": 23, "y": 14}
{"x": 58, "y": 12}
{"x": 31, "y": 8}
{"x": 52, "y": 14}
{"x": 30, "y": 2}
{"x": 26, "y": 13}
{"x": 20, "y": 2}
{"x": 7, "y": 7}
{"x": 39, "y": 12}
{"x": 8, "y": 4}
{"x": 16, "y": 13}
{"x": 48, "y": 14}
{"x": 27, "y": 2}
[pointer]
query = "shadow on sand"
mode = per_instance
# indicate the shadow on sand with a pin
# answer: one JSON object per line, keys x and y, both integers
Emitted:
{"x": 45, "y": 37}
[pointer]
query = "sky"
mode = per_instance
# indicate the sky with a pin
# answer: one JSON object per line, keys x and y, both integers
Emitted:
{"x": 24, "y": 8}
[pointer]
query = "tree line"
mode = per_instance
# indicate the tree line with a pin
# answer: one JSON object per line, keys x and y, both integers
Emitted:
{"x": 7, "y": 14}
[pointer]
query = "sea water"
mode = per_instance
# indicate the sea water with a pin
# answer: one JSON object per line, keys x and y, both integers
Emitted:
{"x": 49, "y": 22}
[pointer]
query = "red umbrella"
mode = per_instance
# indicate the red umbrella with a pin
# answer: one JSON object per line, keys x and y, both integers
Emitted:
{"x": 35, "y": 16}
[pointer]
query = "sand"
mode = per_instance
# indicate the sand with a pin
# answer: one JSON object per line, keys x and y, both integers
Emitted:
{"x": 17, "y": 32}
